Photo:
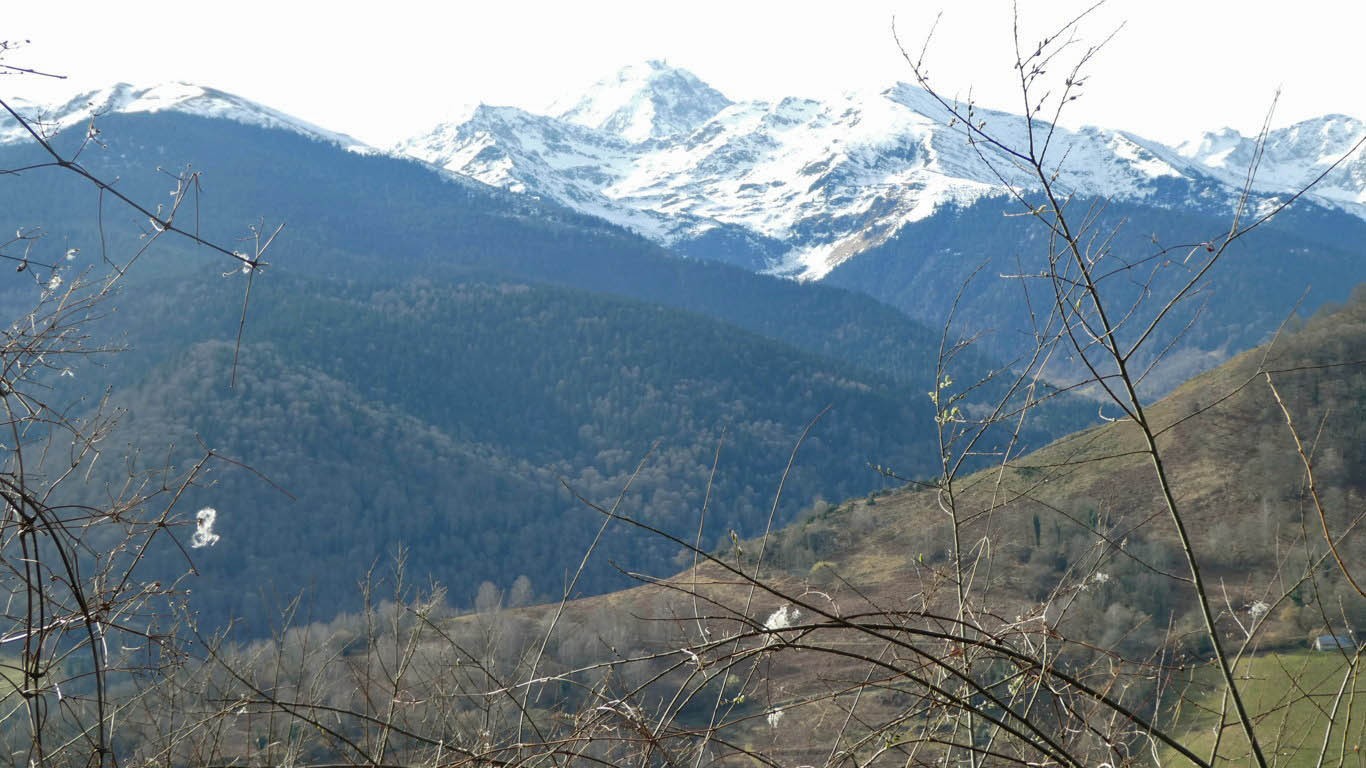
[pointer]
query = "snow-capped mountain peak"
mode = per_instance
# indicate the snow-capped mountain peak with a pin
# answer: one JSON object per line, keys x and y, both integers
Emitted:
{"x": 651, "y": 100}
{"x": 1216, "y": 149}
{"x": 187, "y": 98}
{"x": 1292, "y": 157}
{"x": 798, "y": 186}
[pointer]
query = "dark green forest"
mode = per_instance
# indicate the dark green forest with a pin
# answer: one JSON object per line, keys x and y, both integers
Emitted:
{"x": 434, "y": 368}
{"x": 444, "y": 418}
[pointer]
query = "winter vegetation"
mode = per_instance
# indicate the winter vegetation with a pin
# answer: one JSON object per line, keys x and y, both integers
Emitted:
{"x": 671, "y": 431}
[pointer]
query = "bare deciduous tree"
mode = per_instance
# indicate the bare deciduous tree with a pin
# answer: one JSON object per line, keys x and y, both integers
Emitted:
{"x": 80, "y": 617}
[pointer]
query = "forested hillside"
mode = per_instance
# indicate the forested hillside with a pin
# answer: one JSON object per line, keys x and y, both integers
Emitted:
{"x": 1303, "y": 258}
{"x": 443, "y": 417}
{"x": 426, "y": 363}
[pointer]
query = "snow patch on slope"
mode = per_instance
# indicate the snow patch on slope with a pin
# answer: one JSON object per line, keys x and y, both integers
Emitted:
{"x": 185, "y": 98}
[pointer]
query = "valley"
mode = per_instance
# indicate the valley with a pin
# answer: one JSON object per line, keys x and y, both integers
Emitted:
{"x": 666, "y": 429}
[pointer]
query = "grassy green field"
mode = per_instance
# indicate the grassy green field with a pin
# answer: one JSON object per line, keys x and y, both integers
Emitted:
{"x": 1293, "y": 696}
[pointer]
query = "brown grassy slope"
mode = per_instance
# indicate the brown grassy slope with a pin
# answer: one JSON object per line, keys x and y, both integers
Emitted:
{"x": 1236, "y": 475}
{"x": 1079, "y": 524}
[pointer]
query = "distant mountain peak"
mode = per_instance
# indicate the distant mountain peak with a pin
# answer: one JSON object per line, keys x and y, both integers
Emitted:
{"x": 186, "y": 98}
{"x": 644, "y": 101}
{"x": 1292, "y": 157}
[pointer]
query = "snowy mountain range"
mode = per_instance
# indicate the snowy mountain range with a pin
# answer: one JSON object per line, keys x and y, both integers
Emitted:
{"x": 1292, "y": 157}
{"x": 793, "y": 187}
{"x": 809, "y": 184}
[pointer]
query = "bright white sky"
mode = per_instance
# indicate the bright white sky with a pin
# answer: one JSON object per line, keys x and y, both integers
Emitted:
{"x": 382, "y": 71}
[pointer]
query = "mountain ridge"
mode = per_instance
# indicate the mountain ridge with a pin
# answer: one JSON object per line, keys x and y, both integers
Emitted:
{"x": 832, "y": 179}
{"x": 1293, "y": 157}
{"x": 175, "y": 96}
{"x": 800, "y": 186}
